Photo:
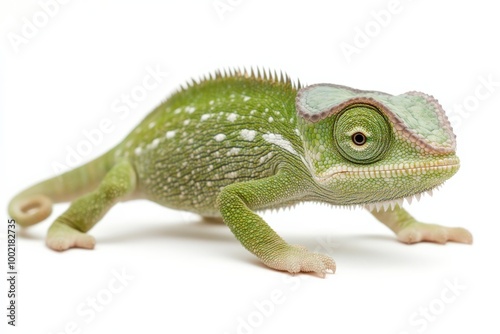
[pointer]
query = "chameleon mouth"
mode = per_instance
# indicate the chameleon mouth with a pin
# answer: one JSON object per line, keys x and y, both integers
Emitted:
{"x": 392, "y": 170}
{"x": 448, "y": 166}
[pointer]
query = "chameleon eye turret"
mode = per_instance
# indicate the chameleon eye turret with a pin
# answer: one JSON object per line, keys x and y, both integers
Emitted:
{"x": 362, "y": 134}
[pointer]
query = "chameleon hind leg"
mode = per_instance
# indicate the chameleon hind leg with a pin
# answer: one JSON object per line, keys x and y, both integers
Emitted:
{"x": 409, "y": 230}
{"x": 69, "y": 229}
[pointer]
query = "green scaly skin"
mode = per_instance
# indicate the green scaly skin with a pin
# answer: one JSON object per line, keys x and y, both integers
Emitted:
{"x": 237, "y": 143}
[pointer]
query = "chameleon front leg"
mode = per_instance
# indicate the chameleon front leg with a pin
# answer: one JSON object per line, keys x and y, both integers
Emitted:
{"x": 236, "y": 202}
{"x": 409, "y": 230}
{"x": 69, "y": 229}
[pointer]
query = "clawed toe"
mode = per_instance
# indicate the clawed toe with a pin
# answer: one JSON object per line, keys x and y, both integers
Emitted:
{"x": 434, "y": 233}
{"x": 297, "y": 259}
{"x": 62, "y": 237}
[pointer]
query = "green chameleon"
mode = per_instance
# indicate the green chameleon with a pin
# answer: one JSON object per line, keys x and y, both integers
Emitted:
{"x": 244, "y": 141}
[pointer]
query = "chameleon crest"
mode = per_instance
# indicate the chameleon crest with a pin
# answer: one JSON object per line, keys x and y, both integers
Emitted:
{"x": 235, "y": 143}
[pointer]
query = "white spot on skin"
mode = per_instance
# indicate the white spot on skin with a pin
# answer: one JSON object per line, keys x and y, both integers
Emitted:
{"x": 265, "y": 157}
{"x": 177, "y": 110}
{"x": 186, "y": 122}
{"x": 233, "y": 151}
{"x": 170, "y": 134}
{"x": 211, "y": 102}
{"x": 155, "y": 143}
{"x": 231, "y": 175}
{"x": 204, "y": 117}
{"x": 220, "y": 137}
{"x": 246, "y": 98}
{"x": 270, "y": 119}
{"x": 278, "y": 140}
{"x": 190, "y": 109}
{"x": 138, "y": 151}
{"x": 248, "y": 135}
{"x": 151, "y": 125}
{"x": 232, "y": 117}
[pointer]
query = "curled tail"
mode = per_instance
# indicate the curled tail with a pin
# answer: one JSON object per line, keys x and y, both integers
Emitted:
{"x": 34, "y": 204}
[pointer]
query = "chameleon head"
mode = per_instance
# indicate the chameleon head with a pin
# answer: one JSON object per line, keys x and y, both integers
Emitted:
{"x": 371, "y": 147}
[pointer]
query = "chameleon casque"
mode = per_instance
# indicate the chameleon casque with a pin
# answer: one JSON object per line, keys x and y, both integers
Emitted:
{"x": 237, "y": 142}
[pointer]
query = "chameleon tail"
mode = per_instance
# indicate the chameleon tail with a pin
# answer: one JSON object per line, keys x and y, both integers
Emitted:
{"x": 34, "y": 204}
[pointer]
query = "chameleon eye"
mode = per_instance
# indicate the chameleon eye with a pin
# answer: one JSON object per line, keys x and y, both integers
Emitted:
{"x": 358, "y": 138}
{"x": 362, "y": 134}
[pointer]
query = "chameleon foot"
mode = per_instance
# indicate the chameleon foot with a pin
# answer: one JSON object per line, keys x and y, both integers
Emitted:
{"x": 295, "y": 259}
{"x": 418, "y": 232}
{"x": 62, "y": 237}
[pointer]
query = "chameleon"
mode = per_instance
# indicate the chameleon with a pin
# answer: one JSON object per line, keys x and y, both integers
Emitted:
{"x": 239, "y": 141}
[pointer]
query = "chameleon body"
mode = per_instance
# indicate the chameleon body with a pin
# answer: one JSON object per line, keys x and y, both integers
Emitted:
{"x": 239, "y": 142}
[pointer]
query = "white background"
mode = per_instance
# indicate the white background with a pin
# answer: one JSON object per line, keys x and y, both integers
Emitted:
{"x": 194, "y": 277}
